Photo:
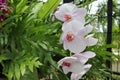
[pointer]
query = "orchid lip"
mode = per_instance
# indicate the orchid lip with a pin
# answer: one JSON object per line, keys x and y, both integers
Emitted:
{"x": 70, "y": 37}
{"x": 66, "y": 63}
{"x": 67, "y": 17}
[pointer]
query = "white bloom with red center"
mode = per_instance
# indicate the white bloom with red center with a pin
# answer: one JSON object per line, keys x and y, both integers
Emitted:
{"x": 71, "y": 64}
{"x": 69, "y": 11}
{"x": 73, "y": 37}
{"x": 76, "y": 64}
{"x": 73, "y": 42}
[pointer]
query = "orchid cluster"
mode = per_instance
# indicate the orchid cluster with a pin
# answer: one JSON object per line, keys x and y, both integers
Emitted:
{"x": 75, "y": 38}
{"x": 4, "y": 9}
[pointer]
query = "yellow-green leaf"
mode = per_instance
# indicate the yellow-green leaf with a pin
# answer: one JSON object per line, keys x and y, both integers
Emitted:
{"x": 47, "y": 8}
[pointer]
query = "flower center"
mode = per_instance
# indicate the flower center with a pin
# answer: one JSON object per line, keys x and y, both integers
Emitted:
{"x": 70, "y": 36}
{"x": 67, "y": 17}
{"x": 66, "y": 63}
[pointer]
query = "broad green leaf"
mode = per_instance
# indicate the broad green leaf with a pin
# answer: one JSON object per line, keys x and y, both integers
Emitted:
{"x": 36, "y": 8}
{"x": 21, "y": 6}
{"x": 47, "y": 8}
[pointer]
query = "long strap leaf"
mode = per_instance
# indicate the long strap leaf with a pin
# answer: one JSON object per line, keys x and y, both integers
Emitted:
{"x": 47, "y": 8}
{"x": 21, "y": 5}
{"x": 8, "y": 20}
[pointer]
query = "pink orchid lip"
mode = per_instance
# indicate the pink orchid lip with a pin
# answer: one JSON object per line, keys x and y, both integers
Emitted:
{"x": 67, "y": 17}
{"x": 70, "y": 37}
{"x": 66, "y": 63}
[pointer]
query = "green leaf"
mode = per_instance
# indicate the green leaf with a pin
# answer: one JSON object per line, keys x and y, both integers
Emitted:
{"x": 33, "y": 62}
{"x": 10, "y": 72}
{"x": 22, "y": 68}
{"x": 30, "y": 66}
{"x": 8, "y": 20}
{"x": 36, "y": 8}
{"x": 47, "y": 8}
{"x": 1, "y": 41}
{"x": 3, "y": 58}
{"x": 6, "y": 56}
{"x": 17, "y": 71}
{"x": 30, "y": 75}
{"x": 21, "y": 7}
{"x": 36, "y": 62}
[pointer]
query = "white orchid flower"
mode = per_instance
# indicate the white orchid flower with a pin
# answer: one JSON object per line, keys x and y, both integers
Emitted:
{"x": 73, "y": 42}
{"x": 76, "y": 64}
{"x": 73, "y": 37}
{"x": 69, "y": 11}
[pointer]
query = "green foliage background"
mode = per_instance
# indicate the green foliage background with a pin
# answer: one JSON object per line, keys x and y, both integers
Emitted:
{"x": 30, "y": 47}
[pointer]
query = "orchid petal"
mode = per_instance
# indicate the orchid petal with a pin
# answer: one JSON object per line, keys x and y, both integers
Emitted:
{"x": 65, "y": 70}
{"x": 73, "y": 25}
{"x": 67, "y": 7}
{"x": 89, "y": 54}
{"x": 79, "y": 75}
{"x": 76, "y": 46}
{"x": 71, "y": 59}
{"x": 76, "y": 67}
{"x": 79, "y": 14}
{"x": 83, "y": 59}
{"x": 90, "y": 41}
{"x": 59, "y": 15}
{"x": 85, "y": 30}
{"x": 63, "y": 10}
